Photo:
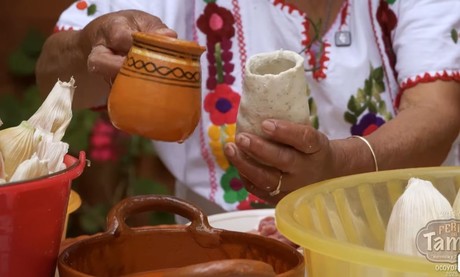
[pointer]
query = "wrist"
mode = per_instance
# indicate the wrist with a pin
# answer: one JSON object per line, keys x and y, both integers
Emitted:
{"x": 351, "y": 156}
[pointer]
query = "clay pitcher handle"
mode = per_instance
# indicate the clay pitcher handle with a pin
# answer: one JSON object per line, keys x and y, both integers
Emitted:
{"x": 199, "y": 226}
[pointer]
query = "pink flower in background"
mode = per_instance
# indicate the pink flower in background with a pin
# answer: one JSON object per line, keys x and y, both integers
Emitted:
{"x": 102, "y": 142}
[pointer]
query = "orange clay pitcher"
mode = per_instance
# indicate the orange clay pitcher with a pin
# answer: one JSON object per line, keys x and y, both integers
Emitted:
{"x": 157, "y": 93}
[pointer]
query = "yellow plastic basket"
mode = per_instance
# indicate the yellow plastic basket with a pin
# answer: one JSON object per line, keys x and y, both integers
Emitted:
{"x": 340, "y": 223}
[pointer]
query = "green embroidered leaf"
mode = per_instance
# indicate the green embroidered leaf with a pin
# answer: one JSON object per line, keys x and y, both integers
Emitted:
{"x": 368, "y": 88}
{"x": 388, "y": 116}
{"x": 379, "y": 86}
{"x": 391, "y": 1}
{"x": 350, "y": 118}
{"x": 314, "y": 121}
{"x": 376, "y": 93}
{"x": 219, "y": 65}
{"x": 312, "y": 106}
{"x": 372, "y": 107}
{"x": 91, "y": 9}
{"x": 360, "y": 97}
{"x": 210, "y": 1}
{"x": 361, "y": 110}
{"x": 352, "y": 104}
{"x": 382, "y": 107}
{"x": 454, "y": 35}
{"x": 377, "y": 74}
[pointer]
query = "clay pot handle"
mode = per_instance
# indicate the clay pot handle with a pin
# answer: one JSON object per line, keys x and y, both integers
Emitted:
{"x": 137, "y": 204}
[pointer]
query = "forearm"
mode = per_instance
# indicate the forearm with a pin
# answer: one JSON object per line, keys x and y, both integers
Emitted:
{"x": 420, "y": 135}
{"x": 61, "y": 58}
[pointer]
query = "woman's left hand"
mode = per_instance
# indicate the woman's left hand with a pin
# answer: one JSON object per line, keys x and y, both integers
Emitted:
{"x": 292, "y": 155}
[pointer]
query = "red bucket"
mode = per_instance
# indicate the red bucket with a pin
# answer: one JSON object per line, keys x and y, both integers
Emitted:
{"x": 32, "y": 218}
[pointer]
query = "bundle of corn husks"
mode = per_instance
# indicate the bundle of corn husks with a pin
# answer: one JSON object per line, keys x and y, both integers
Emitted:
{"x": 34, "y": 147}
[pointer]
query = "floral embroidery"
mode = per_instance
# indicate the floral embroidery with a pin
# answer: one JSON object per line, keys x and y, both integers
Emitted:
{"x": 221, "y": 102}
{"x": 253, "y": 202}
{"x": 102, "y": 140}
{"x": 454, "y": 35}
{"x": 368, "y": 124}
{"x": 368, "y": 100}
{"x": 216, "y": 23}
{"x": 233, "y": 186}
{"x": 83, "y": 5}
{"x": 387, "y": 21}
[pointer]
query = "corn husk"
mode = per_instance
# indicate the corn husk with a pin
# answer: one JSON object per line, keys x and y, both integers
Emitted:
{"x": 55, "y": 113}
{"x": 29, "y": 169}
{"x": 52, "y": 151}
{"x": 40, "y": 135}
{"x": 420, "y": 203}
{"x": 2, "y": 170}
{"x": 17, "y": 144}
{"x": 456, "y": 206}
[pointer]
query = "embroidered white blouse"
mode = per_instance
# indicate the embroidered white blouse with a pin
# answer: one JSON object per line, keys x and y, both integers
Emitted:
{"x": 354, "y": 88}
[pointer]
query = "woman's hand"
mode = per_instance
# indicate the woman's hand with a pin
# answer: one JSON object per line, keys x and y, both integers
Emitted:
{"x": 299, "y": 153}
{"x": 93, "y": 55}
{"x": 107, "y": 39}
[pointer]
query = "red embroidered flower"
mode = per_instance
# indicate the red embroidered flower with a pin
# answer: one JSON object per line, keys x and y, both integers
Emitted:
{"x": 387, "y": 20}
{"x": 252, "y": 202}
{"x": 81, "y": 5}
{"x": 222, "y": 105}
{"x": 216, "y": 22}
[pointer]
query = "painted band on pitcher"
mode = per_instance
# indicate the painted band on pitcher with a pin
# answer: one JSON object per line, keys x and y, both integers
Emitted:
{"x": 152, "y": 69}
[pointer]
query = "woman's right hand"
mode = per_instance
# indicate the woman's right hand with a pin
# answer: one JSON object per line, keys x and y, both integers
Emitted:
{"x": 107, "y": 39}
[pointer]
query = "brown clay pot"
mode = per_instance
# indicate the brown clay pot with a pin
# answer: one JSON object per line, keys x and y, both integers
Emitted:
{"x": 196, "y": 249}
{"x": 157, "y": 93}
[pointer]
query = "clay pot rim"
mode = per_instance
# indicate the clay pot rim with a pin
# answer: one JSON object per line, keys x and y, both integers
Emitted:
{"x": 176, "y": 44}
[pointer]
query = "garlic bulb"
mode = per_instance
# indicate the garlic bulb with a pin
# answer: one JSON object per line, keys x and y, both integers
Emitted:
{"x": 55, "y": 113}
{"x": 420, "y": 203}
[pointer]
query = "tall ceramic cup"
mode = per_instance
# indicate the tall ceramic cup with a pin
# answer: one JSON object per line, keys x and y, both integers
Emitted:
{"x": 157, "y": 93}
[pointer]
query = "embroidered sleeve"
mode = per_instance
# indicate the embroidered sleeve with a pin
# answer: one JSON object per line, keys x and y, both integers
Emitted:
{"x": 81, "y": 13}
{"x": 424, "y": 40}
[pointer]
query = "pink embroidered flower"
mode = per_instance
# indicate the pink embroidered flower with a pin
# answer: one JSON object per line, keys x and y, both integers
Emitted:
{"x": 222, "y": 105}
{"x": 216, "y": 22}
{"x": 102, "y": 142}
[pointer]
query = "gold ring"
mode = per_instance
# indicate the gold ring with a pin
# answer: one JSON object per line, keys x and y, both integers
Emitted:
{"x": 278, "y": 188}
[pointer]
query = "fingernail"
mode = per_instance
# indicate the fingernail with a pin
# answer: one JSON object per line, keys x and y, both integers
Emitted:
{"x": 268, "y": 126}
{"x": 243, "y": 140}
{"x": 229, "y": 150}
